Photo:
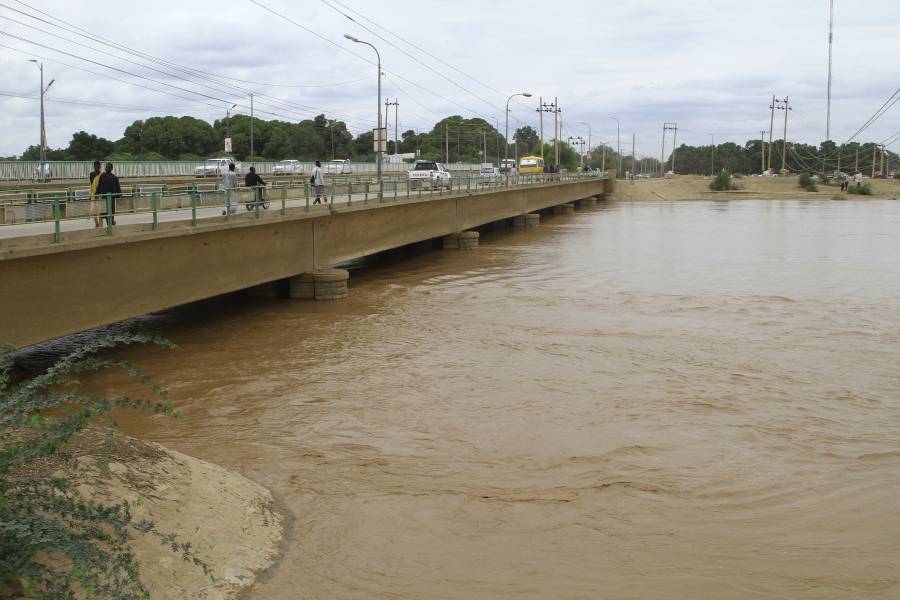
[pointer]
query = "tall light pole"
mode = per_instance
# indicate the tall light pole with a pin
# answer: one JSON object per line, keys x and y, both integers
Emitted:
{"x": 589, "y": 138}
{"x": 377, "y": 106}
{"x": 506, "y": 154}
{"x": 830, "y": 44}
{"x": 228, "y": 122}
{"x": 618, "y": 147}
{"x": 43, "y": 144}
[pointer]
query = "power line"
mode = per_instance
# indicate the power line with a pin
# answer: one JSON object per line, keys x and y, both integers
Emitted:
{"x": 888, "y": 104}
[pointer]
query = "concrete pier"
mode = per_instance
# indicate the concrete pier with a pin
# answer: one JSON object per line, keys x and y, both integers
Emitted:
{"x": 527, "y": 221}
{"x": 464, "y": 240}
{"x": 563, "y": 209}
{"x": 324, "y": 284}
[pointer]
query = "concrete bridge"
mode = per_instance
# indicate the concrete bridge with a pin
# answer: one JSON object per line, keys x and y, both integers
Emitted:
{"x": 49, "y": 290}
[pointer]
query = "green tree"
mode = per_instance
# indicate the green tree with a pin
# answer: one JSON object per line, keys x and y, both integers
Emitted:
{"x": 85, "y": 146}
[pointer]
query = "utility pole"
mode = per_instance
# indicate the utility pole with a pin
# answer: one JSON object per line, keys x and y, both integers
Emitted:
{"x": 712, "y": 161}
{"x": 550, "y": 107}
{"x": 874, "y": 155}
{"x": 603, "y": 163}
{"x": 43, "y": 142}
{"x": 762, "y": 147}
{"x": 787, "y": 107}
{"x": 633, "y": 156}
{"x": 556, "y": 127}
{"x": 540, "y": 110}
{"x": 251, "y": 129}
{"x": 331, "y": 132}
{"x": 771, "y": 127}
{"x": 396, "y": 126}
{"x": 662, "y": 152}
{"x": 856, "y": 169}
{"x": 840, "y": 151}
{"x": 883, "y": 153}
{"x": 483, "y": 146}
{"x": 673, "y": 127}
{"x": 228, "y": 124}
{"x": 830, "y": 44}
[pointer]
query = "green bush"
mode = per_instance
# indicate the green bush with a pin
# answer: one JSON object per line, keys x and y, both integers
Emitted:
{"x": 807, "y": 182}
{"x": 53, "y": 544}
{"x": 722, "y": 182}
{"x": 864, "y": 189}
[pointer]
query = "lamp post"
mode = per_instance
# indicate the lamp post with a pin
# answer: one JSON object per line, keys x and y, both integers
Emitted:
{"x": 589, "y": 138}
{"x": 377, "y": 106}
{"x": 43, "y": 144}
{"x": 618, "y": 147}
{"x": 228, "y": 121}
{"x": 506, "y": 154}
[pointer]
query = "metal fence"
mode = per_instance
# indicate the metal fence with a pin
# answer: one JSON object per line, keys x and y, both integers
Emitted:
{"x": 150, "y": 204}
{"x": 74, "y": 170}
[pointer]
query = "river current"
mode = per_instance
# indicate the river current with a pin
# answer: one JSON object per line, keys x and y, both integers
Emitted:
{"x": 640, "y": 400}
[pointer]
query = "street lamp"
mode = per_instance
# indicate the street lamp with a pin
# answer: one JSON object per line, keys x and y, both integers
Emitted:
{"x": 506, "y": 153}
{"x": 378, "y": 106}
{"x": 228, "y": 121}
{"x": 589, "y": 137}
{"x": 618, "y": 147}
{"x": 43, "y": 144}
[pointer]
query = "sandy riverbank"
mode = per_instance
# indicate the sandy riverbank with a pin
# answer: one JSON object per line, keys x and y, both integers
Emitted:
{"x": 230, "y": 521}
{"x": 690, "y": 187}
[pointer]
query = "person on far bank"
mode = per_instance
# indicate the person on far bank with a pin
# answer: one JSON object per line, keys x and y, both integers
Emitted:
{"x": 318, "y": 181}
{"x": 95, "y": 207}
{"x": 229, "y": 183}
{"x": 858, "y": 179}
{"x": 109, "y": 192}
{"x": 253, "y": 180}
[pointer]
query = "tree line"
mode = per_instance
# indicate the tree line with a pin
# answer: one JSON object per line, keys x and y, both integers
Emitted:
{"x": 452, "y": 139}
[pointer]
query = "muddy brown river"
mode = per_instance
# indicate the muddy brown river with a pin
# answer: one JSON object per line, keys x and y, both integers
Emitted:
{"x": 641, "y": 400}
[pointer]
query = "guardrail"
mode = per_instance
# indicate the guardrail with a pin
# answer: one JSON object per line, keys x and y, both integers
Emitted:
{"x": 67, "y": 170}
{"x": 151, "y": 205}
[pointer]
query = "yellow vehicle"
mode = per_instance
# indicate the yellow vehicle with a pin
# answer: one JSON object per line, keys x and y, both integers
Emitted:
{"x": 531, "y": 164}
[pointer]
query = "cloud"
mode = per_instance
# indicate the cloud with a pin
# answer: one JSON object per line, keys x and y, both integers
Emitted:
{"x": 708, "y": 65}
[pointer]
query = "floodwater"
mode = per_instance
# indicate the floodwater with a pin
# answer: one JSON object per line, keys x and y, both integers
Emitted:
{"x": 641, "y": 400}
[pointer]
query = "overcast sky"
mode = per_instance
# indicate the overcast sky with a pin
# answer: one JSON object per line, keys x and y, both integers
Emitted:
{"x": 709, "y": 65}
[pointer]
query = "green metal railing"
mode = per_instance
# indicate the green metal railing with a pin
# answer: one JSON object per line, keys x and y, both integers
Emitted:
{"x": 151, "y": 205}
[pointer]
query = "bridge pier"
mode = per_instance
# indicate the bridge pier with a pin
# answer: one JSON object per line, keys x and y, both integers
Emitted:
{"x": 464, "y": 240}
{"x": 563, "y": 209}
{"x": 527, "y": 221}
{"x": 324, "y": 284}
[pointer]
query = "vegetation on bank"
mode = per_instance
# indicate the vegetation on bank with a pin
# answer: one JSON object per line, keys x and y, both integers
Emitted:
{"x": 54, "y": 543}
{"x": 807, "y": 182}
{"x": 723, "y": 182}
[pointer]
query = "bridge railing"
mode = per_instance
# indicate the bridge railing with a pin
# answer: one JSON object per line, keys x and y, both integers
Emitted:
{"x": 152, "y": 204}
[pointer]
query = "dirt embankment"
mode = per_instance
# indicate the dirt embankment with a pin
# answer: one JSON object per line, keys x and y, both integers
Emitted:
{"x": 230, "y": 521}
{"x": 689, "y": 187}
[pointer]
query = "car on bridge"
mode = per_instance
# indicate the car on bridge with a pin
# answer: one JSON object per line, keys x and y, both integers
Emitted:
{"x": 214, "y": 167}
{"x": 288, "y": 167}
{"x": 433, "y": 173}
{"x": 339, "y": 166}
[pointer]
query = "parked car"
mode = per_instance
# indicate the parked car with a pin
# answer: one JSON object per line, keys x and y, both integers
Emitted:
{"x": 214, "y": 167}
{"x": 339, "y": 166}
{"x": 434, "y": 173}
{"x": 288, "y": 167}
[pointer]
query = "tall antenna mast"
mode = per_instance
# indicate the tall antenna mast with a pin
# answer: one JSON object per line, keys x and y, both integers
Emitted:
{"x": 830, "y": 43}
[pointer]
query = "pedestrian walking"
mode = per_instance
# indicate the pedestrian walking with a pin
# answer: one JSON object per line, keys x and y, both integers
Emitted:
{"x": 858, "y": 179}
{"x": 94, "y": 207}
{"x": 109, "y": 191}
{"x": 229, "y": 183}
{"x": 318, "y": 181}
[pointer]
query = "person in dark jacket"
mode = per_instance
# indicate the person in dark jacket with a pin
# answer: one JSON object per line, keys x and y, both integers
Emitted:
{"x": 109, "y": 188}
{"x": 253, "y": 180}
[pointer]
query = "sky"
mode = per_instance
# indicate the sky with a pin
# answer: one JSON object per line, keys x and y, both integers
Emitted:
{"x": 711, "y": 66}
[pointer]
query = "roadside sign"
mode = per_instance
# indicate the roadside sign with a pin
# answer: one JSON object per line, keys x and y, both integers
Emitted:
{"x": 380, "y": 139}
{"x": 227, "y": 144}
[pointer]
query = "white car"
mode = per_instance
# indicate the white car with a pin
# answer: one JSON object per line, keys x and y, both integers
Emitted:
{"x": 214, "y": 167}
{"x": 339, "y": 166}
{"x": 489, "y": 175}
{"x": 288, "y": 167}
{"x": 429, "y": 171}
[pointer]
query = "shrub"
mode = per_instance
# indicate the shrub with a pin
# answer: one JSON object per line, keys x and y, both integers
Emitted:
{"x": 722, "y": 182}
{"x": 807, "y": 182}
{"x": 53, "y": 543}
{"x": 864, "y": 189}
